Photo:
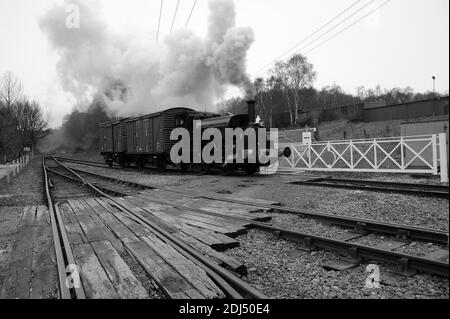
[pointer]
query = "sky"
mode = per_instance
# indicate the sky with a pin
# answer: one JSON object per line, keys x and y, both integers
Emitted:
{"x": 404, "y": 43}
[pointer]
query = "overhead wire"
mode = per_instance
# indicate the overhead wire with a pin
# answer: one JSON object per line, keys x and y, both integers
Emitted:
{"x": 190, "y": 14}
{"x": 349, "y": 26}
{"x": 159, "y": 21}
{"x": 320, "y": 36}
{"x": 175, "y": 15}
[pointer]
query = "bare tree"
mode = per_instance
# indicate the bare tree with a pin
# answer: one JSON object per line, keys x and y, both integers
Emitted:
{"x": 30, "y": 121}
{"x": 266, "y": 90}
{"x": 10, "y": 89}
{"x": 279, "y": 73}
{"x": 295, "y": 75}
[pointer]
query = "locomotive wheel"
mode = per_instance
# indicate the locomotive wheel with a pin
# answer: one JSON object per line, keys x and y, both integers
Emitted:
{"x": 227, "y": 170}
{"x": 110, "y": 163}
{"x": 162, "y": 164}
{"x": 251, "y": 170}
{"x": 204, "y": 169}
{"x": 141, "y": 164}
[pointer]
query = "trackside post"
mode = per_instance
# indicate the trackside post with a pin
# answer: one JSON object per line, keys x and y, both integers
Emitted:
{"x": 443, "y": 157}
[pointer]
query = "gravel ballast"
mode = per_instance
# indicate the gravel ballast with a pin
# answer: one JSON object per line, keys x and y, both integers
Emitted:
{"x": 277, "y": 269}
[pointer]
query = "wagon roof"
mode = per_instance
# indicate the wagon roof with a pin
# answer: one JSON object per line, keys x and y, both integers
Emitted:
{"x": 159, "y": 113}
{"x": 113, "y": 122}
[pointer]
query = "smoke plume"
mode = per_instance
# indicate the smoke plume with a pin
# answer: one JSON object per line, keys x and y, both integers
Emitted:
{"x": 136, "y": 77}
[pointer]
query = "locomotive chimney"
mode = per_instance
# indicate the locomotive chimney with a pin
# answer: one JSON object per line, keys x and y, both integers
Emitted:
{"x": 251, "y": 110}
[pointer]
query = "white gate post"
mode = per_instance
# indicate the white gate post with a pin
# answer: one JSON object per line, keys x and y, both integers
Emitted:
{"x": 435, "y": 154}
{"x": 443, "y": 157}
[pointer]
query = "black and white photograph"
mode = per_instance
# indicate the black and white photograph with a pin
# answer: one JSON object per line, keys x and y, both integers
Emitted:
{"x": 224, "y": 158}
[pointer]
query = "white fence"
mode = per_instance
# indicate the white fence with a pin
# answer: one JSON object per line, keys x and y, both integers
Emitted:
{"x": 412, "y": 154}
{"x": 13, "y": 168}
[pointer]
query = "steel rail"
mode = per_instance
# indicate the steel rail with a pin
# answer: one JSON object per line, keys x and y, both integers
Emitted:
{"x": 386, "y": 183}
{"x": 385, "y": 187}
{"x": 75, "y": 180}
{"x": 103, "y": 165}
{"x": 357, "y": 251}
{"x": 187, "y": 250}
{"x": 63, "y": 252}
{"x": 358, "y": 224}
{"x": 63, "y": 159}
{"x": 79, "y": 291}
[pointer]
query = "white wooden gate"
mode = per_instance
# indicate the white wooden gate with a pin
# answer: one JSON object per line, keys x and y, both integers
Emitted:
{"x": 412, "y": 154}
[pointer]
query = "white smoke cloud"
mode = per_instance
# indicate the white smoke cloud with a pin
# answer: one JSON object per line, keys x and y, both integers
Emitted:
{"x": 137, "y": 77}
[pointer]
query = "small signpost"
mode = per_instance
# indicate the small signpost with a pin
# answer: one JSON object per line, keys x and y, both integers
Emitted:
{"x": 307, "y": 138}
{"x": 307, "y": 135}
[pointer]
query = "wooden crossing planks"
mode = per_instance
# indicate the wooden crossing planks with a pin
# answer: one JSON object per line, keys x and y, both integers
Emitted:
{"x": 216, "y": 206}
{"x": 209, "y": 195}
{"x": 32, "y": 271}
{"x": 210, "y": 238}
{"x": 124, "y": 281}
{"x": 196, "y": 276}
{"x": 219, "y": 224}
{"x": 110, "y": 220}
{"x": 135, "y": 227}
{"x": 172, "y": 271}
{"x": 167, "y": 278}
{"x": 213, "y": 223}
{"x": 105, "y": 231}
{"x": 104, "y": 273}
{"x": 95, "y": 281}
{"x": 92, "y": 225}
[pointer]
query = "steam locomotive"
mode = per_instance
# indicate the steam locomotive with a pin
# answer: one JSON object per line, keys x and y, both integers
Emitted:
{"x": 146, "y": 139}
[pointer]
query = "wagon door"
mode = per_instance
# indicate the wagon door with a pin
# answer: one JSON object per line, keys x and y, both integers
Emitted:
{"x": 131, "y": 144}
{"x": 116, "y": 138}
{"x": 158, "y": 136}
{"x": 109, "y": 139}
{"x": 140, "y": 136}
{"x": 123, "y": 138}
{"x": 151, "y": 147}
{"x": 146, "y": 136}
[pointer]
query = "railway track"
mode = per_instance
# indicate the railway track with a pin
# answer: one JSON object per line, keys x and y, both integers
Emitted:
{"x": 231, "y": 285}
{"x": 171, "y": 169}
{"x": 427, "y": 190}
{"x": 359, "y": 227}
{"x": 63, "y": 250}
